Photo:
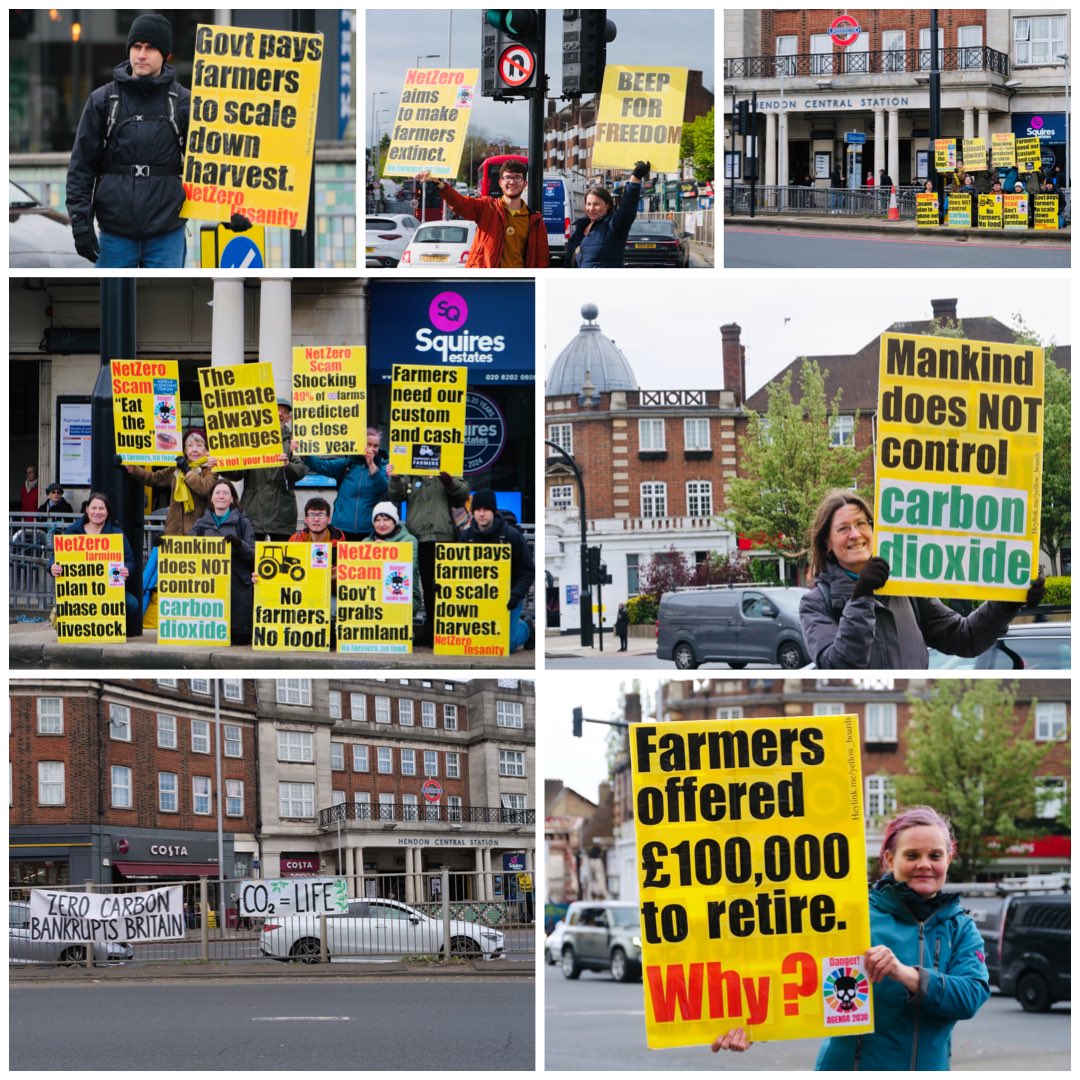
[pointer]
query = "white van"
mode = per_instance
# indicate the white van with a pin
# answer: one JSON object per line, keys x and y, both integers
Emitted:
{"x": 563, "y": 203}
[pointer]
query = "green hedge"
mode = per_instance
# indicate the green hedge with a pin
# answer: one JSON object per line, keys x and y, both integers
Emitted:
{"x": 1058, "y": 591}
{"x": 642, "y": 610}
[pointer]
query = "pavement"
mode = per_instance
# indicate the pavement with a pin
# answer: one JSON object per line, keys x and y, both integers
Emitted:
{"x": 852, "y": 225}
{"x": 559, "y": 644}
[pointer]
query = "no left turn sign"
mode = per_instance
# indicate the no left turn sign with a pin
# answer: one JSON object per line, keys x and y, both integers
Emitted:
{"x": 516, "y": 65}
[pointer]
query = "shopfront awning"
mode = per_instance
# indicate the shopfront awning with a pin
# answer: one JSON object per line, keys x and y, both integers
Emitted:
{"x": 166, "y": 869}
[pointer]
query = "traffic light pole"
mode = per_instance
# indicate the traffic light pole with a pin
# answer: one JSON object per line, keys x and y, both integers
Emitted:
{"x": 537, "y": 98}
{"x": 584, "y": 593}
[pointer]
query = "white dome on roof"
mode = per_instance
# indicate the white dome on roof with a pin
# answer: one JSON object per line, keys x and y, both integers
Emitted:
{"x": 592, "y": 352}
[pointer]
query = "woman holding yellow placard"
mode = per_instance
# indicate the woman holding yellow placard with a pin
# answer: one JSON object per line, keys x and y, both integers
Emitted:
{"x": 189, "y": 483}
{"x": 846, "y": 626}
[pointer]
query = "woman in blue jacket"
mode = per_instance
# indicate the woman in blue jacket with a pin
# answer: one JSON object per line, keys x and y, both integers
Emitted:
{"x": 926, "y": 960}
{"x": 599, "y": 238}
{"x": 362, "y": 483}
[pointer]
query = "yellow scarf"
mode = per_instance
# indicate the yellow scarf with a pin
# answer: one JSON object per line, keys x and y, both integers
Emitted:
{"x": 182, "y": 494}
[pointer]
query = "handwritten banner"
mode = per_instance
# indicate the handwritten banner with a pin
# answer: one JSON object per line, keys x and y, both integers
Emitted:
{"x": 90, "y": 608}
{"x": 154, "y": 915}
{"x": 239, "y": 406}
{"x": 374, "y": 597}
{"x": 472, "y": 587}
{"x": 292, "y": 597}
{"x": 329, "y": 399}
{"x": 194, "y": 578}
{"x": 146, "y": 411}
{"x": 430, "y": 123}
{"x": 427, "y": 420}
{"x": 640, "y": 117}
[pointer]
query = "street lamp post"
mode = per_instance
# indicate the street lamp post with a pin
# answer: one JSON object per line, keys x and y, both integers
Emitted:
{"x": 428, "y": 56}
{"x": 1065, "y": 57}
{"x": 585, "y": 593}
{"x": 375, "y": 139}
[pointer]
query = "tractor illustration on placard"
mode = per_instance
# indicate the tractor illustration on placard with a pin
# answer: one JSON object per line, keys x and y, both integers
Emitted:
{"x": 275, "y": 560}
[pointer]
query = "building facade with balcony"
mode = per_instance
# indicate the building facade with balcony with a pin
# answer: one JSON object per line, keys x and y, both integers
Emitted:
{"x": 1002, "y": 70}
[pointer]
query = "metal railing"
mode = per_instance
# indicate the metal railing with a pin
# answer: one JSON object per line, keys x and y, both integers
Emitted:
{"x": 435, "y": 812}
{"x": 701, "y": 224}
{"x": 877, "y": 62}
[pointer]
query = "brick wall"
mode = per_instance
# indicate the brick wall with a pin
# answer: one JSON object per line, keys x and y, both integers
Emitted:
{"x": 805, "y": 22}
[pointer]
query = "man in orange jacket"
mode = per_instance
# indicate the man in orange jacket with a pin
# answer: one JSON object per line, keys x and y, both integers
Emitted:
{"x": 508, "y": 234}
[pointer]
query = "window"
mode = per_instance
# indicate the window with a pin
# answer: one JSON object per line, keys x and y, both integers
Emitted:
{"x": 893, "y": 44}
{"x": 294, "y": 691}
{"x": 427, "y": 714}
{"x": 432, "y": 811}
{"x": 511, "y": 762}
{"x": 699, "y": 498}
{"x": 924, "y": 48}
{"x": 410, "y": 808}
{"x": 453, "y": 765}
{"x": 408, "y": 762}
{"x": 880, "y": 800}
{"x": 821, "y": 55}
{"x": 166, "y": 731}
{"x": 234, "y": 740}
{"x": 562, "y": 435}
{"x": 358, "y": 706}
{"x": 1051, "y": 721}
{"x": 362, "y": 803}
{"x": 1040, "y": 40}
{"x": 729, "y": 712}
{"x": 828, "y": 708}
{"x": 969, "y": 40}
{"x": 382, "y": 710}
{"x": 167, "y": 789}
{"x": 359, "y": 758}
{"x": 170, "y": 683}
{"x": 200, "y": 794}
{"x": 842, "y": 431}
{"x": 633, "y": 585}
{"x": 200, "y": 736}
{"x": 234, "y": 798}
{"x": 386, "y": 759}
{"x": 296, "y": 800}
{"x": 881, "y": 723}
{"x": 200, "y": 686}
{"x": 696, "y": 433}
{"x": 453, "y": 807}
{"x": 449, "y": 717}
{"x": 405, "y": 712}
{"x": 233, "y": 689}
{"x": 561, "y": 496}
{"x": 1050, "y": 794}
{"x": 50, "y": 711}
{"x": 857, "y": 56}
{"x": 121, "y": 786}
{"x": 335, "y": 704}
{"x": 120, "y": 723}
{"x": 431, "y": 762}
{"x": 337, "y": 756}
{"x": 512, "y": 809}
{"x": 653, "y": 499}
{"x": 386, "y": 806}
{"x": 295, "y": 746}
{"x": 787, "y": 47}
{"x": 651, "y": 435}
{"x": 509, "y": 714}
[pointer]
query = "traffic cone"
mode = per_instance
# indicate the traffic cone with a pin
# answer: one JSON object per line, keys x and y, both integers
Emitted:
{"x": 894, "y": 210}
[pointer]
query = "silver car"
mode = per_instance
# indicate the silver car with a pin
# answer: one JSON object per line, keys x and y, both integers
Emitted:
{"x": 381, "y": 928}
{"x": 21, "y": 950}
{"x": 388, "y": 236}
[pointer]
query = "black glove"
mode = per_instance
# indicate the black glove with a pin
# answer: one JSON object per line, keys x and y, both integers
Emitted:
{"x": 231, "y": 538}
{"x": 873, "y": 575}
{"x": 86, "y": 244}
{"x": 641, "y": 169}
{"x": 118, "y": 460}
{"x": 182, "y": 463}
{"x": 1037, "y": 591}
{"x": 239, "y": 223}
{"x": 447, "y": 480}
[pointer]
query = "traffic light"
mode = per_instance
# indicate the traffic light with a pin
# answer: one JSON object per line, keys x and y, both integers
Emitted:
{"x": 509, "y": 51}
{"x": 604, "y": 577}
{"x": 594, "y": 565}
{"x": 577, "y": 722}
{"x": 519, "y": 24}
{"x": 742, "y": 118}
{"x": 586, "y": 33}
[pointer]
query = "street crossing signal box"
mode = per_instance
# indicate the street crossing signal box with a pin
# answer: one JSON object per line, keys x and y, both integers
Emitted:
{"x": 509, "y": 47}
{"x": 586, "y": 33}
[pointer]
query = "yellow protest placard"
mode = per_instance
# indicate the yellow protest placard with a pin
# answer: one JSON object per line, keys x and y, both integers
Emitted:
{"x": 146, "y": 411}
{"x": 959, "y": 467}
{"x": 640, "y": 117}
{"x": 974, "y": 155}
{"x": 1015, "y": 212}
{"x": 945, "y": 155}
{"x": 1002, "y": 149}
{"x": 990, "y": 208}
{"x": 90, "y": 608}
{"x": 374, "y": 597}
{"x": 1029, "y": 154}
{"x": 194, "y": 579}
{"x": 752, "y": 876}
{"x": 1046, "y": 212}
{"x": 960, "y": 209}
{"x": 240, "y": 410}
{"x": 251, "y": 133}
{"x": 292, "y": 597}
{"x": 472, "y": 583}
{"x": 329, "y": 398}
{"x": 427, "y": 420}
{"x": 926, "y": 209}
{"x": 431, "y": 120}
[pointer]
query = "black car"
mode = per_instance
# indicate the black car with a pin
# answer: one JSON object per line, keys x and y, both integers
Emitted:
{"x": 37, "y": 235}
{"x": 1035, "y": 945}
{"x": 1023, "y": 645}
{"x": 657, "y": 243}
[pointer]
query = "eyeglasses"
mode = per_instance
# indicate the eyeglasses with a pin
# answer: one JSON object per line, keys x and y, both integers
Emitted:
{"x": 516, "y": 177}
{"x": 316, "y": 513}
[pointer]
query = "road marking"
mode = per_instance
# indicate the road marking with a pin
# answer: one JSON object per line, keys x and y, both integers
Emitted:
{"x": 301, "y": 1018}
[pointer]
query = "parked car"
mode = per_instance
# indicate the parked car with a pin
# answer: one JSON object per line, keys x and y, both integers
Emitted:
{"x": 657, "y": 243}
{"x": 734, "y": 625}
{"x": 375, "y": 928}
{"x": 985, "y": 912}
{"x": 1036, "y": 939}
{"x": 439, "y": 243}
{"x": 1024, "y": 645}
{"x": 38, "y": 235}
{"x": 553, "y": 943}
{"x": 387, "y": 238}
{"x": 21, "y": 950}
{"x": 602, "y": 935}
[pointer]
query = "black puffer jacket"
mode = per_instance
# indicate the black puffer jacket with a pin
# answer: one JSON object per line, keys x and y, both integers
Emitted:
{"x": 522, "y": 571}
{"x": 136, "y": 207}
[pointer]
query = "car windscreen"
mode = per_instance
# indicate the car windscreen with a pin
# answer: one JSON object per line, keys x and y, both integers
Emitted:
{"x": 374, "y": 224}
{"x": 664, "y": 230}
{"x": 787, "y": 599}
{"x": 18, "y": 197}
{"x": 628, "y": 918}
{"x": 443, "y": 234}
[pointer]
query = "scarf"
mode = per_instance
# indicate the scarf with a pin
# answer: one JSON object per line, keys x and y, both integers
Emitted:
{"x": 219, "y": 521}
{"x": 182, "y": 494}
{"x": 920, "y": 907}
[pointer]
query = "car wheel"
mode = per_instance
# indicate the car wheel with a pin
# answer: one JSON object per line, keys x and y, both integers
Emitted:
{"x": 571, "y": 969}
{"x": 73, "y": 954}
{"x": 306, "y": 950}
{"x": 789, "y": 655}
{"x": 464, "y": 946}
{"x": 1033, "y": 992}
{"x": 548, "y": 958}
{"x": 620, "y": 966}
{"x": 738, "y": 665}
{"x": 684, "y": 656}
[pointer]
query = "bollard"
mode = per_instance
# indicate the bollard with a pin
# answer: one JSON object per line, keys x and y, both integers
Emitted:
{"x": 444, "y": 877}
{"x": 324, "y": 955}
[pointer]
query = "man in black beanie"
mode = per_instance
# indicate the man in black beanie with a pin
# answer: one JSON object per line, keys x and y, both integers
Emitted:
{"x": 126, "y": 161}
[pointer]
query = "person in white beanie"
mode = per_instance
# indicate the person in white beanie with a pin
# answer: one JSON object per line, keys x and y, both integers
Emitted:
{"x": 386, "y": 528}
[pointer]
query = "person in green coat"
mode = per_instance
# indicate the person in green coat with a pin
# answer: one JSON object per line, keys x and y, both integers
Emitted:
{"x": 386, "y": 528}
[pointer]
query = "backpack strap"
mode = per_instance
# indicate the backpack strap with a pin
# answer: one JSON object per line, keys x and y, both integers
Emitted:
{"x": 112, "y": 98}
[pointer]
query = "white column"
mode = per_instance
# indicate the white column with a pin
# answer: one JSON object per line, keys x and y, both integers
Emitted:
{"x": 410, "y": 879}
{"x": 984, "y": 129}
{"x": 783, "y": 168}
{"x": 969, "y": 123}
{"x": 357, "y": 889}
{"x": 894, "y": 145}
{"x": 227, "y": 326}
{"x": 770, "y": 148}
{"x": 879, "y": 143}
{"x": 478, "y": 864}
{"x": 275, "y": 331}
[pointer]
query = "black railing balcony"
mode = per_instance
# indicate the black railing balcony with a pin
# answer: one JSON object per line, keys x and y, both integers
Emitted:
{"x": 427, "y": 812}
{"x": 882, "y": 62}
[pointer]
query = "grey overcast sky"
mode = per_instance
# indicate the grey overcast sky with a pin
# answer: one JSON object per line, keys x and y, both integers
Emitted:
{"x": 668, "y": 326}
{"x": 396, "y": 37}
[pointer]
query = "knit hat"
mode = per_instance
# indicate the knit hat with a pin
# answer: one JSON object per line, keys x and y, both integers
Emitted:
{"x": 155, "y": 30}
{"x": 194, "y": 431}
{"x": 484, "y": 499}
{"x": 54, "y": 487}
{"x": 287, "y": 402}
{"x": 388, "y": 510}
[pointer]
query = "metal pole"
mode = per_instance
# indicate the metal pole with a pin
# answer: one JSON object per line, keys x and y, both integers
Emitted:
{"x": 585, "y": 593}
{"x": 537, "y": 97}
{"x": 220, "y": 800}
{"x": 935, "y": 110}
{"x": 753, "y": 148}
{"x": 302, "y": 243}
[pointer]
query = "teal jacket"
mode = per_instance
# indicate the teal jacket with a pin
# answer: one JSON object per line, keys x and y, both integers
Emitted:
{"x": 914, "y": 1031}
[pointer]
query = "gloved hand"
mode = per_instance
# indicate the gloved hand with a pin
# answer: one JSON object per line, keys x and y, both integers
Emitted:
{"x": 86, "y": 244}
{"x": 239, "y": 223}
{"x": 447, "y": 480}
{"x": 1037, "y": 591}
{"x": 118, "y": 460}
{"x": 873, "y": 575}
{"x": 641, "y": 169}
{"x": 182, "y": 462}
{"x": 231, "y": 538}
